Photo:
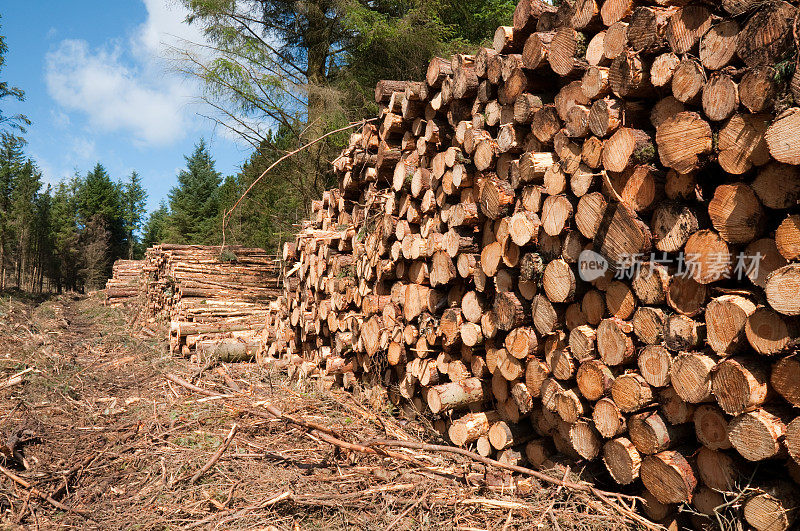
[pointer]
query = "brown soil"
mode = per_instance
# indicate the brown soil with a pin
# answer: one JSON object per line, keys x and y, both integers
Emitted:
{"x": 96, "y": 426}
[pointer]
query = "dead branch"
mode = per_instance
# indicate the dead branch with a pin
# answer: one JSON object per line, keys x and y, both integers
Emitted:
{"x": 39, "y": 494}
{"x": 214, "y": 458}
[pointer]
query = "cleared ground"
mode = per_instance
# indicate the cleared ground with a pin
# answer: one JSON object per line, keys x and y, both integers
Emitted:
{"x": 95, "y": 426}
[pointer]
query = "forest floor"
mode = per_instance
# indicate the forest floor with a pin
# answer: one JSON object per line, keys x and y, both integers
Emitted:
{"x": 89, "y": 421}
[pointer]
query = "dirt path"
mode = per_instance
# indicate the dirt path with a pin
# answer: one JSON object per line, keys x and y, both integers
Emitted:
{"x": 102, "y": 431}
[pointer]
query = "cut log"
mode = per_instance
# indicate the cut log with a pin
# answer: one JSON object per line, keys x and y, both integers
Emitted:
{"x": 648, "y": 26}
{"x": 783, "y": 139}
{"x": 688, "y": 80}
{"x": 614, "y": 343}
{"x": 767, "y": 33}
{"x": 708, "y": 257}
{"x": 631, "y": 392}
{"x": 742, "y": 143}
{"x": 655, "y": 363}
{"x": 726, "y": 317}
{"x": 718, "y": 470}
{"x": 607, "y": 418}
{"x": 711, "y": 427}
{"x": 594, "y": 379}
{"x": 778, "y": 185}
{"x": 622, "y": 460}
{"x": 652, "y": 433}
{"x": 585, "y": 439}
{"x": 672, "y": 224}
{"x": 455, "y": 395}
{"x": 785, "y": 379}
{"x": 757, "y": 89}
{"x": 504, "y": 435}
{"x": 757, "y": 435}
{"x": 782, "y": 288}
{"x": 774, "y": 507}
{"x": 691, "y": 376}
{"x": 686, "y": 26}
{"x": 626, "y": 147}
{"x": 663, "y": 68}
{"x": 720, "y": 97}
{"x": 682, "y": 139}
{"x": 648, "y": 324}
{"x": 668, "y": 476}
{"x": 718, "y": 44}
{"x": 768, "y": 332}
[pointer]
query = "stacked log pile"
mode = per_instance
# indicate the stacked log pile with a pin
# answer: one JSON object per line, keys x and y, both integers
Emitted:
{"x": 123, "y": 288}
{"x": 210, "y": 295}
{"x": 585, "y": 241}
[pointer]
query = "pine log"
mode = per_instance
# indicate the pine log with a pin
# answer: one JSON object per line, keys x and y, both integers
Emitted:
{"x": 651, "y": 433}
{"x": 757, "y": 435}
{"x": 455, "y": 395}
{"x": 726, "y": 317}
{"x": 785, "y": 379}
{"x": 774, "y": 507}
{"x": 682, "y": 139}
{"x": 471, "y": 426}
{"x": 711, "y": 427}
{"x": 622, "y": 460}
{"x": 742, "y": 143}
{"x": 668, "y": 476}
{"x": 691, "y": 376}
{"x": 782, "y": 287}
{"x": 782, "y": 137}
{"x": 607, "y": 418}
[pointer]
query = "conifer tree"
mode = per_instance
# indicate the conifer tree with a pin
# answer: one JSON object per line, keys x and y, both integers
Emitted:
{"x": 134, "y": 200}
{"x": 194, "y": 203}
{"x": 11, "y": 162}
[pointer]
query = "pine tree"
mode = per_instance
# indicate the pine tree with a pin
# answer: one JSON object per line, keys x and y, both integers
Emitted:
{"x": 64, "y": 233}
{"x": 43, "y": 243}
{"x": 100, "y": 196}
{"x": 11, "y": 162}
{"x": 25, "y": 189}
{"x": 194, "y": 203}
{"x": 134, "y": 199}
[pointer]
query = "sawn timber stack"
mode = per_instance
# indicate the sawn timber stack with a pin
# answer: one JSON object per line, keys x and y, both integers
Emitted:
{"x": 447, "y": 265}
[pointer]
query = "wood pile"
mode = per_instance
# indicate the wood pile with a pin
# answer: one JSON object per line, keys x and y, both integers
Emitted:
{"x": 581, "y": 241}
{"x": 215, "y": 300}
{"x": 123, "y": 288}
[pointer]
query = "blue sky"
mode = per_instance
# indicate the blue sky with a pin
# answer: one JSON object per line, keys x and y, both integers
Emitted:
{"x": 99, "y": 87}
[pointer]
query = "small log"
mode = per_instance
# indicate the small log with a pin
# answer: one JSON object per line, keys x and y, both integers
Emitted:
{"x": 668, "y": 476}
{"x": 782, "y": 288}
{"x": 757, "y": 434}
{"x": 711, "y": 427}
{"x": 631, "y": 392}
{"x": 782, "y": 137}
{"x": 774, "y": 507}
{"x": 682, "y": 139}
{"x": 785, "y": 379}
{"x": 471, "y": 426}
{"x": 455, "y": 395}
{"x": 622, "y": 460}
{"x": 651, "y": 433}
{"x": 607, "y": 418}
{"x": 691, "y": 376}
{"x": 655, "y": 363}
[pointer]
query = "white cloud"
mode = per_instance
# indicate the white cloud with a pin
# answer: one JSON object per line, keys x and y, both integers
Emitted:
{"x": 133, "y": 92}
{"x": 84, "y": 148}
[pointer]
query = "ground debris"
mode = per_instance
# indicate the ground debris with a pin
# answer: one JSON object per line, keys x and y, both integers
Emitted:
{"x": 101, "y": 431}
